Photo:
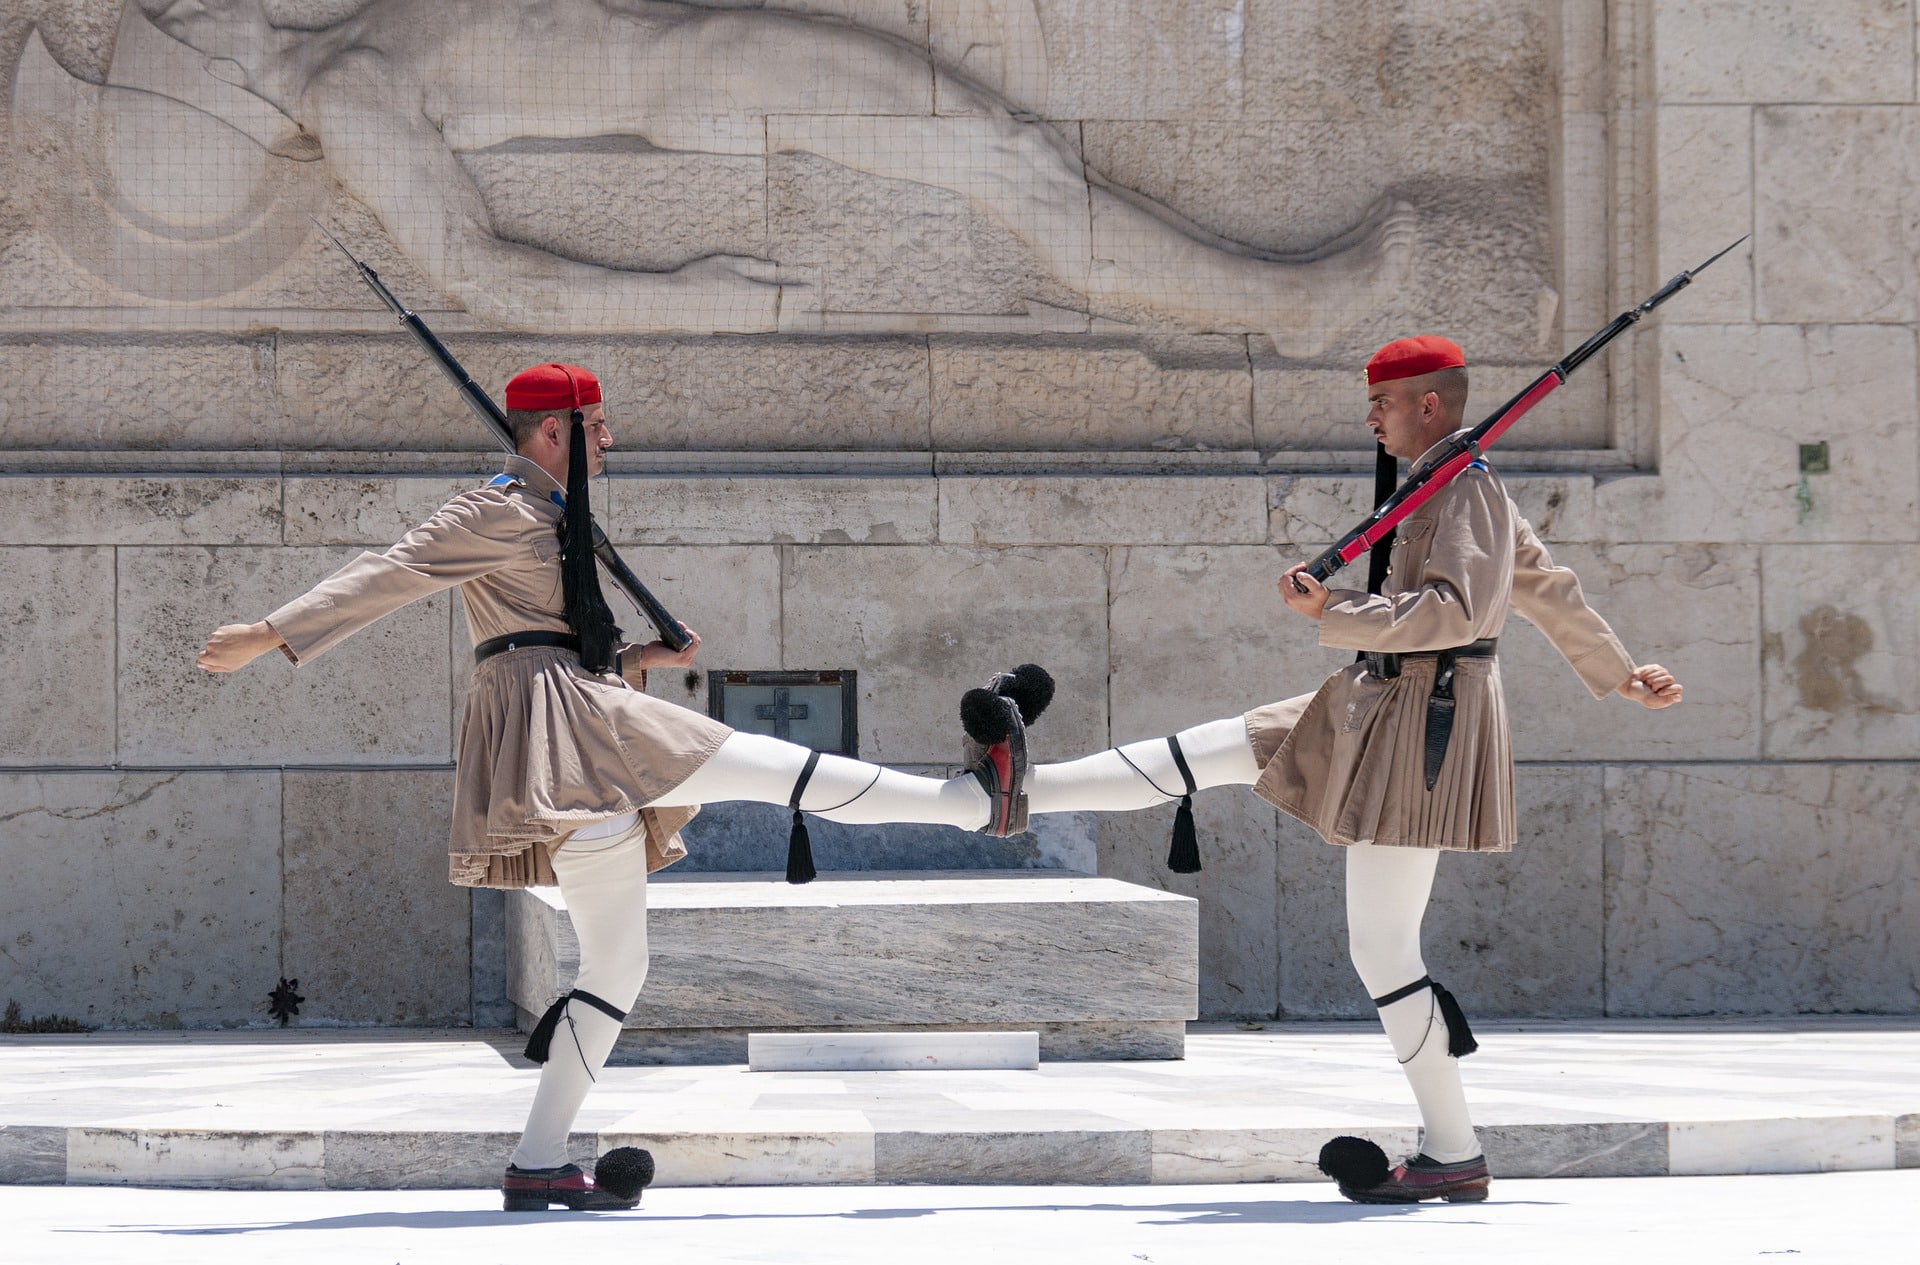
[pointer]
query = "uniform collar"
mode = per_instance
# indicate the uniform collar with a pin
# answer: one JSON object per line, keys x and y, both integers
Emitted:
{"x": 521, "y": 470}
{"x": 1427, "y": 458}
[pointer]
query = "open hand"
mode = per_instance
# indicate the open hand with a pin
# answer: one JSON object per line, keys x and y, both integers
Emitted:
{"x": 1651, "y": 686}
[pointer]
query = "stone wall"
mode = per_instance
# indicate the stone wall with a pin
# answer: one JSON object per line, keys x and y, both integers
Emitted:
{"x": 929, "y": 506}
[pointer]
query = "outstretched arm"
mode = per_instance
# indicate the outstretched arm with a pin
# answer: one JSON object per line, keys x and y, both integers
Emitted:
{"x": 231, "y": 647}
{"x": 1651, "y": 686}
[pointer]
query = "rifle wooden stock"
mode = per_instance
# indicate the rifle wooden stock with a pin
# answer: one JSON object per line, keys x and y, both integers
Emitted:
{"x": 1462, "y": 450}
{"x": 670, "y": 630}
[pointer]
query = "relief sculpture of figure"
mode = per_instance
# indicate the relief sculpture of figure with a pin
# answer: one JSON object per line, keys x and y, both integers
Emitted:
{"x": 393, "y": 91}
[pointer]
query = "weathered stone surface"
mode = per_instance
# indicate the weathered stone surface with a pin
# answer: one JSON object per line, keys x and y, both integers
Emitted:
{"x": 1576, "y": 1150}
{"x": 1761, "y": 890}
{"x": 922, "y": 625}
{"x": 1236, "y": 889}
{"x": 717, "y": 510}
{"x": 103, "y": 510}
{"x": 1841, "y": 633}
{"x": 1907, "y": 1141}
{"x": 1510, "y": 934}
{"x": 1111, "y": 511}
{"x": 219, "y": 1159}
{"x": 1691, "y": 608}
{"x": 730, "y": 595}
{"x": 381, "y": 698}
{"x": 33, "y": 1155}
{"x": 1047, "y": 394}
{"x": 877, "y": 953}
{"x": 371, "y": 512}
{"x": 1807, "y": 1144}
{"x": 1737, "y": 403}
{"x": 1783, "y": 50}
{"x": 415, "y": 1160}
{"x": 366, "y": 853}
{"x": 1834, "y": 222}
{"x": 876, "y": 253}
{"x": 185, "y": 392}
{"x": 1106, "y": 1157}
{"x": 1199, "y": 634}
{"x": 1144, "y": 59}
{"x": 57, "y": 636}
{"x": 147, "y": 900}
{"x": 663, "y": 393}
{"x": 842, "y": 1156}
{"x": 1706, "y": 167}
{"x": 618, "y": 202}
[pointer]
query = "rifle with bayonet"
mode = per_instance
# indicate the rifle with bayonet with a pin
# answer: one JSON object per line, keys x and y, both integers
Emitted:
{"x": 489, "y": 413}
{"x": 1463, "y": 449}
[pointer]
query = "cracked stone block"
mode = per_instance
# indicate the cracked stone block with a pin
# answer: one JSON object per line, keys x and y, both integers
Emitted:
{"x": 142, "y": 900}
{"x": 370, "y": 512}
{"x": 751, "y": 510}
{"x": 1840, "y": 628}
{"x": 1737, "y": 402}
{"x": 1103, "y": 511}
{"x": 1761, "y": 890}
{"x": 107, "y": 510}
{"x": 352, "y": 833}
{"x": 1835, "y": 233}
{"x": 183, "y": 392}
{"x": 1780, "y": 50}
{"x": 382, "y": 697}
{"x": 57, "y": 636}
{"x": 922, "y": 625}
{"x": 1707, "y": 152}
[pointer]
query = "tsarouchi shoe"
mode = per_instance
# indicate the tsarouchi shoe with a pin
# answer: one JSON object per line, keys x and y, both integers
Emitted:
{"x": 995, "y": 750}
{"x": 1360, "y": 1167}
{"x": 615, "y": 1186}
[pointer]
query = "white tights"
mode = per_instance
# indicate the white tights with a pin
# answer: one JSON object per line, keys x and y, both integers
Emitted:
{"x": 1387, "y": 891}
{"x": 603, "y": 880}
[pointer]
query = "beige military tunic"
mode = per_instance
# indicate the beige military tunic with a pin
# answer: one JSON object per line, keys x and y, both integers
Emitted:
{"x": 1349, "y": 760}
{"x": 545, "y": 746}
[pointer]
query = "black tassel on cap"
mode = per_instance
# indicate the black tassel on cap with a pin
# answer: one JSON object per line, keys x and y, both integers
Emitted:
{"x": 1183, "y": 855}
{"x": 799, "y": 844}
{"x": 1460, "y": 1039}
{"x": 586, "y": 609}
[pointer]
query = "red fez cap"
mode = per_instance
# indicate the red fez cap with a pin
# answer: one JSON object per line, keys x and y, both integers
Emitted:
{"x": 553, "y": 387}
{"x": 1411, "y": 357}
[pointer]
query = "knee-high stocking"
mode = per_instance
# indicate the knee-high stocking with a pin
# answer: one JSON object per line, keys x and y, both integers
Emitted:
{"x": 1142, "y": 774}
{"x": 763, "y": 770}
{"x": 1387, "y": 890}
{"x": 604, "y": 882}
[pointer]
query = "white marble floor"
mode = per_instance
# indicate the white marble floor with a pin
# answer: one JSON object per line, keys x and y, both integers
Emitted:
{"x": 396, "y": 1109}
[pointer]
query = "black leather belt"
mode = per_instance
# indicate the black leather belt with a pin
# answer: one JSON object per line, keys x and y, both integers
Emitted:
{"x": 1440, "y": 701}
{"x": 520, "y": 641}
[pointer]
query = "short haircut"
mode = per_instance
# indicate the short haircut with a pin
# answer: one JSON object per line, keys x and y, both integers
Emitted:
{"x": 1450, "y": 385}
{"x": 523, "y": 422}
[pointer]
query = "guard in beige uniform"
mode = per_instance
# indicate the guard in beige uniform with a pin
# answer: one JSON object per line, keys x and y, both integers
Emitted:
{"x": 1405, "y": 753}
{"x": 567, "y": 772}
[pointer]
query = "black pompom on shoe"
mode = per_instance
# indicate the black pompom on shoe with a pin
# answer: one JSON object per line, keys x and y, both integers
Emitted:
{"x": 1030, "y": 686}
{"x": 986, "y": 717}
{"x": 624, "y": 1172}
{"x": 1355, "y": 1163}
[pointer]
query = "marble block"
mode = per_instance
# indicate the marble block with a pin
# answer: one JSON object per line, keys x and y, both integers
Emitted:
{"x": 162, "y": 510}
{"x": 196, "y": 1158}
{"x": 892, "y": 1051}
{"x": 1707, "y": 151}
{"x": 1809, "y": 1144}
{"x": 1766, "y": 50}
{"x": 1100, "y": 968}
{"x": 1752, "y": 889}
{"x": 33, "y": 1155}
{"x": 57, "y": 640}
{"x": 1107, "y": 511}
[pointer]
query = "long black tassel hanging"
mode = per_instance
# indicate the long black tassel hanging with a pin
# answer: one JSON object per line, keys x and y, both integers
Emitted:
{"x": 799, "y": 844}
{"x": 540, "y": 1040}
{"x": 1460, "y": 1039}
{"x": 586, "y": 608}
{"x": 1183, "y": 856}
{"x": 1386, "y": 481}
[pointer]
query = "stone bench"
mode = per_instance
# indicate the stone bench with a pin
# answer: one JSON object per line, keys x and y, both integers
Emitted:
{"x": 1099, "y": 968}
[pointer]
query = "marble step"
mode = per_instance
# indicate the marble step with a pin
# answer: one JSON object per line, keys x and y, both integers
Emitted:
{"x": 1100, "y": 969}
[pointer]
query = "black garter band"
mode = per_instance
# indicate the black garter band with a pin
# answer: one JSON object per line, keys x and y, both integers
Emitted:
{"x": 1460, "y": 1038}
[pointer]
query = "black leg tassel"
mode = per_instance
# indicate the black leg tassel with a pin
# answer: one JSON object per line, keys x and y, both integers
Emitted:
{"x": 1460, "y": 1040}
{"x": 799, "y": 852}
{"x": 1183, "y": 857}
